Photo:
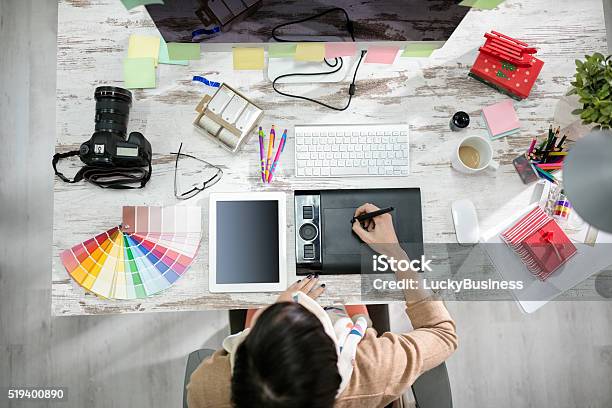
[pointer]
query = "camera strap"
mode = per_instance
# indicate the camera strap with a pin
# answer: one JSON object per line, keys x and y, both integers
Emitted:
{"x": 105, "y": 177}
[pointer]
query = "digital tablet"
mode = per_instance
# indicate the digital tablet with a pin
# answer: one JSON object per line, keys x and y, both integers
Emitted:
{"x": 247, "y": 242}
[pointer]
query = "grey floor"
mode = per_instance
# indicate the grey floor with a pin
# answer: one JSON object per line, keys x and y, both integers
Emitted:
{"x": 560, "y": 356}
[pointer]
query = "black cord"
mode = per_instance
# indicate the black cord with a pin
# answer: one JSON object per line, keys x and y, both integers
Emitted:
{"x": 349, "y": 24}
{"x": 338, "y": 62}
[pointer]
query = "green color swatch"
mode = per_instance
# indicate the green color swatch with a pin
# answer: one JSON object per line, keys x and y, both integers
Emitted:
{"x": 281, "y": 50}
{"x": 184, "y": 51}
{"x": 139, "y": 73}
{"x": 130, "y": 4}
{"x": 423, "y": 49}
{"x": 164, "y": 57}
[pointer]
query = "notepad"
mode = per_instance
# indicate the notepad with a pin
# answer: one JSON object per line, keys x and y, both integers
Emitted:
{"x": 144, "y": 46}
{"x": 381, "y": 55}
{"x": 419, "y": 50}
{"x": 501, "y": 119}
{"x": 139, "y": 73}
{"x": 164, "y": 57}
{"x": 248, "y": 58}
{"x": 310, "y": 52}
{"x": 184, "y": 51}
{"x": 341, "y": 49}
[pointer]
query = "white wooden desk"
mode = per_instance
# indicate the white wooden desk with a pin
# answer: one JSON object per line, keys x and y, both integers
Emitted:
{"x": 92, "y": 42}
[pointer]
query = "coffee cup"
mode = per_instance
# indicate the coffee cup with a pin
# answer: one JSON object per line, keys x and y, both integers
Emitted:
{"x": 473, "y": 154}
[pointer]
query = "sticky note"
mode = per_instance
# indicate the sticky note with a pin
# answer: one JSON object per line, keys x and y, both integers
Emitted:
{"x": 139, "y": 73}
{"x": 248, "y": 58}
{"x": 381, "y": 55}
{"x": 164, "y": 57}
{"x": 419, "y": 50}
{"x": 310, "y": 52}
{"x": 481, "y": 4}
{"x": 342, "y": 49}
{"x": 130, "y": 4}
{"x": 184, "y": 51}
{"x": 143, "y": 46}
{"x": 281, "y": 50}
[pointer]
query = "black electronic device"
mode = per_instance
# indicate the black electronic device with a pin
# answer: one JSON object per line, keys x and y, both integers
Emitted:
{"x": 111, "y": 159}
{"x": 324, "y": 240}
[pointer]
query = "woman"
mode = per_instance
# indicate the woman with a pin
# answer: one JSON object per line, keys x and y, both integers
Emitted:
{"x": 296, "y": 354}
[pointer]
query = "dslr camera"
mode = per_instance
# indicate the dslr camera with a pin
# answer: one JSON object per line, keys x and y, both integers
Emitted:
{"x": 108, "y": 146}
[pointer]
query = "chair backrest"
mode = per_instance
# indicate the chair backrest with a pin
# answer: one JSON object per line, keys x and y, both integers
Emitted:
{"x": 193, "y": 361}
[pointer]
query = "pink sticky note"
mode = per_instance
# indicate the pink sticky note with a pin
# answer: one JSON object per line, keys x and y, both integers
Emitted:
{"x": 501, "y": 118}
{"x": 342, "y": 49}
{"x": 381, "y": 55}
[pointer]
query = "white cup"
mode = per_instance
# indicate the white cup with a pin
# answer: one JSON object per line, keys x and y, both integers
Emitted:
{"x": 485, "y": 152}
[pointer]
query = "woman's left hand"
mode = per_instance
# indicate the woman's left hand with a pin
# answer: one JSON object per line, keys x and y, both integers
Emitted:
{"x": 309, "y": 285}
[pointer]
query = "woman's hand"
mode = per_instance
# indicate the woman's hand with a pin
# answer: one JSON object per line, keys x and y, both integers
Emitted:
{"x": 308, "y": 285}
{"x": 378, "y": 232}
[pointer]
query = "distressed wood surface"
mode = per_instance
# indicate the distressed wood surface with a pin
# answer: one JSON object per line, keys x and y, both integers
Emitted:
{"x": 92, "y": 42}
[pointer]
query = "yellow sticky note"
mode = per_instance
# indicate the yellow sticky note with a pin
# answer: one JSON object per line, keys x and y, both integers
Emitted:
{"x": 310, "y": 52}
{"x": 144, "y": 46}
{"x": 248, "y": 58}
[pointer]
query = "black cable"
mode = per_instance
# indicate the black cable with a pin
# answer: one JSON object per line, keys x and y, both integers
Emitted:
{"x": 352, "y": 87}
{"x": 349, "y": 24}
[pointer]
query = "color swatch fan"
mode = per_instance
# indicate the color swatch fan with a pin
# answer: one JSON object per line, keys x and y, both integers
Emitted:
{"x": 147, "y": 253}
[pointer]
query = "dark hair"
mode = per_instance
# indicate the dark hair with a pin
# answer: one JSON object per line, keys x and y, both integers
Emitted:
{"x": 287, "y": 360}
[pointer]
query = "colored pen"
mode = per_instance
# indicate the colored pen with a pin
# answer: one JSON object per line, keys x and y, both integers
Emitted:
{"x": 261, "y": 155}
{"x": 560, "y": 145}
{"x": 270, "y": 150}
{"x": 281, "y": 147}
{"x": 371, "y": 215}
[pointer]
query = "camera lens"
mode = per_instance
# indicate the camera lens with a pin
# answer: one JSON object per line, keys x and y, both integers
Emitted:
{"x": 308, "y": 232}
{"x": 112, "y": 109}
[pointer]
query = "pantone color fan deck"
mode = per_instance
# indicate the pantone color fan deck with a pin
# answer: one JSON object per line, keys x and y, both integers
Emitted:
{"x": 151, "y": 249}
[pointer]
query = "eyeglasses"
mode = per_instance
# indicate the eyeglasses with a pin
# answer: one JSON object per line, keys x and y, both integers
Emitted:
{"x": 190, "y": 177}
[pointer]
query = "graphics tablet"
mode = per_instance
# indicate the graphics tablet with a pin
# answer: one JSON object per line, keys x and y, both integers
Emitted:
{"x": 247, "y": 242}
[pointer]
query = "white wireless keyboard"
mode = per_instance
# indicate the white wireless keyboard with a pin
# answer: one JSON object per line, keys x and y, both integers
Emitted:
{"x": 351, "y": 150}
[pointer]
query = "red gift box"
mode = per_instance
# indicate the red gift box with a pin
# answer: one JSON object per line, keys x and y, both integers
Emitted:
{"x": 507, "y": 65}
{"x": 550, "y": 248}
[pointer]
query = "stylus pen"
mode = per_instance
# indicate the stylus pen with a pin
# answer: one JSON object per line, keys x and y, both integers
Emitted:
{"x": 281, "y": 147}
{"x": 261, "y": 155}
{"x": 270, "y": 150}
{"x": 368, "y": 216}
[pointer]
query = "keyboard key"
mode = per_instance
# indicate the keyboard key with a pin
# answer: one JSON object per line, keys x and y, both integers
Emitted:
{"x": 349, "y": 171}
{"x": 308, "y": 171}
{"x": 316, "y": 171}
{"x": 325, "y": 171}
{"x": 301, "y": 172}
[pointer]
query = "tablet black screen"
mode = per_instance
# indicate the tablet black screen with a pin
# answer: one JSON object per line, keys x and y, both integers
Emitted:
{"x": 247, "y": 242}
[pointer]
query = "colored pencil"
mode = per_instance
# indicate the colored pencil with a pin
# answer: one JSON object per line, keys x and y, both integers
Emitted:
{"x": 270, "y": 151}
{"x": 546, "y": 175}
{"x": 532, "y": 145}
{"x": 558, "y": 153}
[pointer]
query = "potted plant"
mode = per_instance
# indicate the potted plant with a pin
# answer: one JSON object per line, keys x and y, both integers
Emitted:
{"x": 593, "y": 85}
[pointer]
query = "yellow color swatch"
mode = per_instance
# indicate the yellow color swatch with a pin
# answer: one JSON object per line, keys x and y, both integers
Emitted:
{"x": 310, "y": 52}
{"x": 248, "y": 58}
{"x": 143, "y": 46}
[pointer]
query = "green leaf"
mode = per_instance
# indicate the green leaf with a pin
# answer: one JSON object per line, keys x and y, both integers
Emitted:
{"x": 577, "y": 111}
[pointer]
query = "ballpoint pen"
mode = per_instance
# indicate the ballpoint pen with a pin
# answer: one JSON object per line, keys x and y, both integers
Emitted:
{"x": 261, "y": 155}
{"x": 281, "y": 147}
{"x": 270, "y": 150}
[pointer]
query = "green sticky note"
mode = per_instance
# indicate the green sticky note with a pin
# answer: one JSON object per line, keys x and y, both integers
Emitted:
{"x": 184, "y": 51}
{"x": 139, "y": 73}
{"x": 481, "y": 4}
{"x": 164, "y": 58}
{"x": 130, "y": 4}
{"x": 423, "y": 49}
{"x": 281, "y": 50}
